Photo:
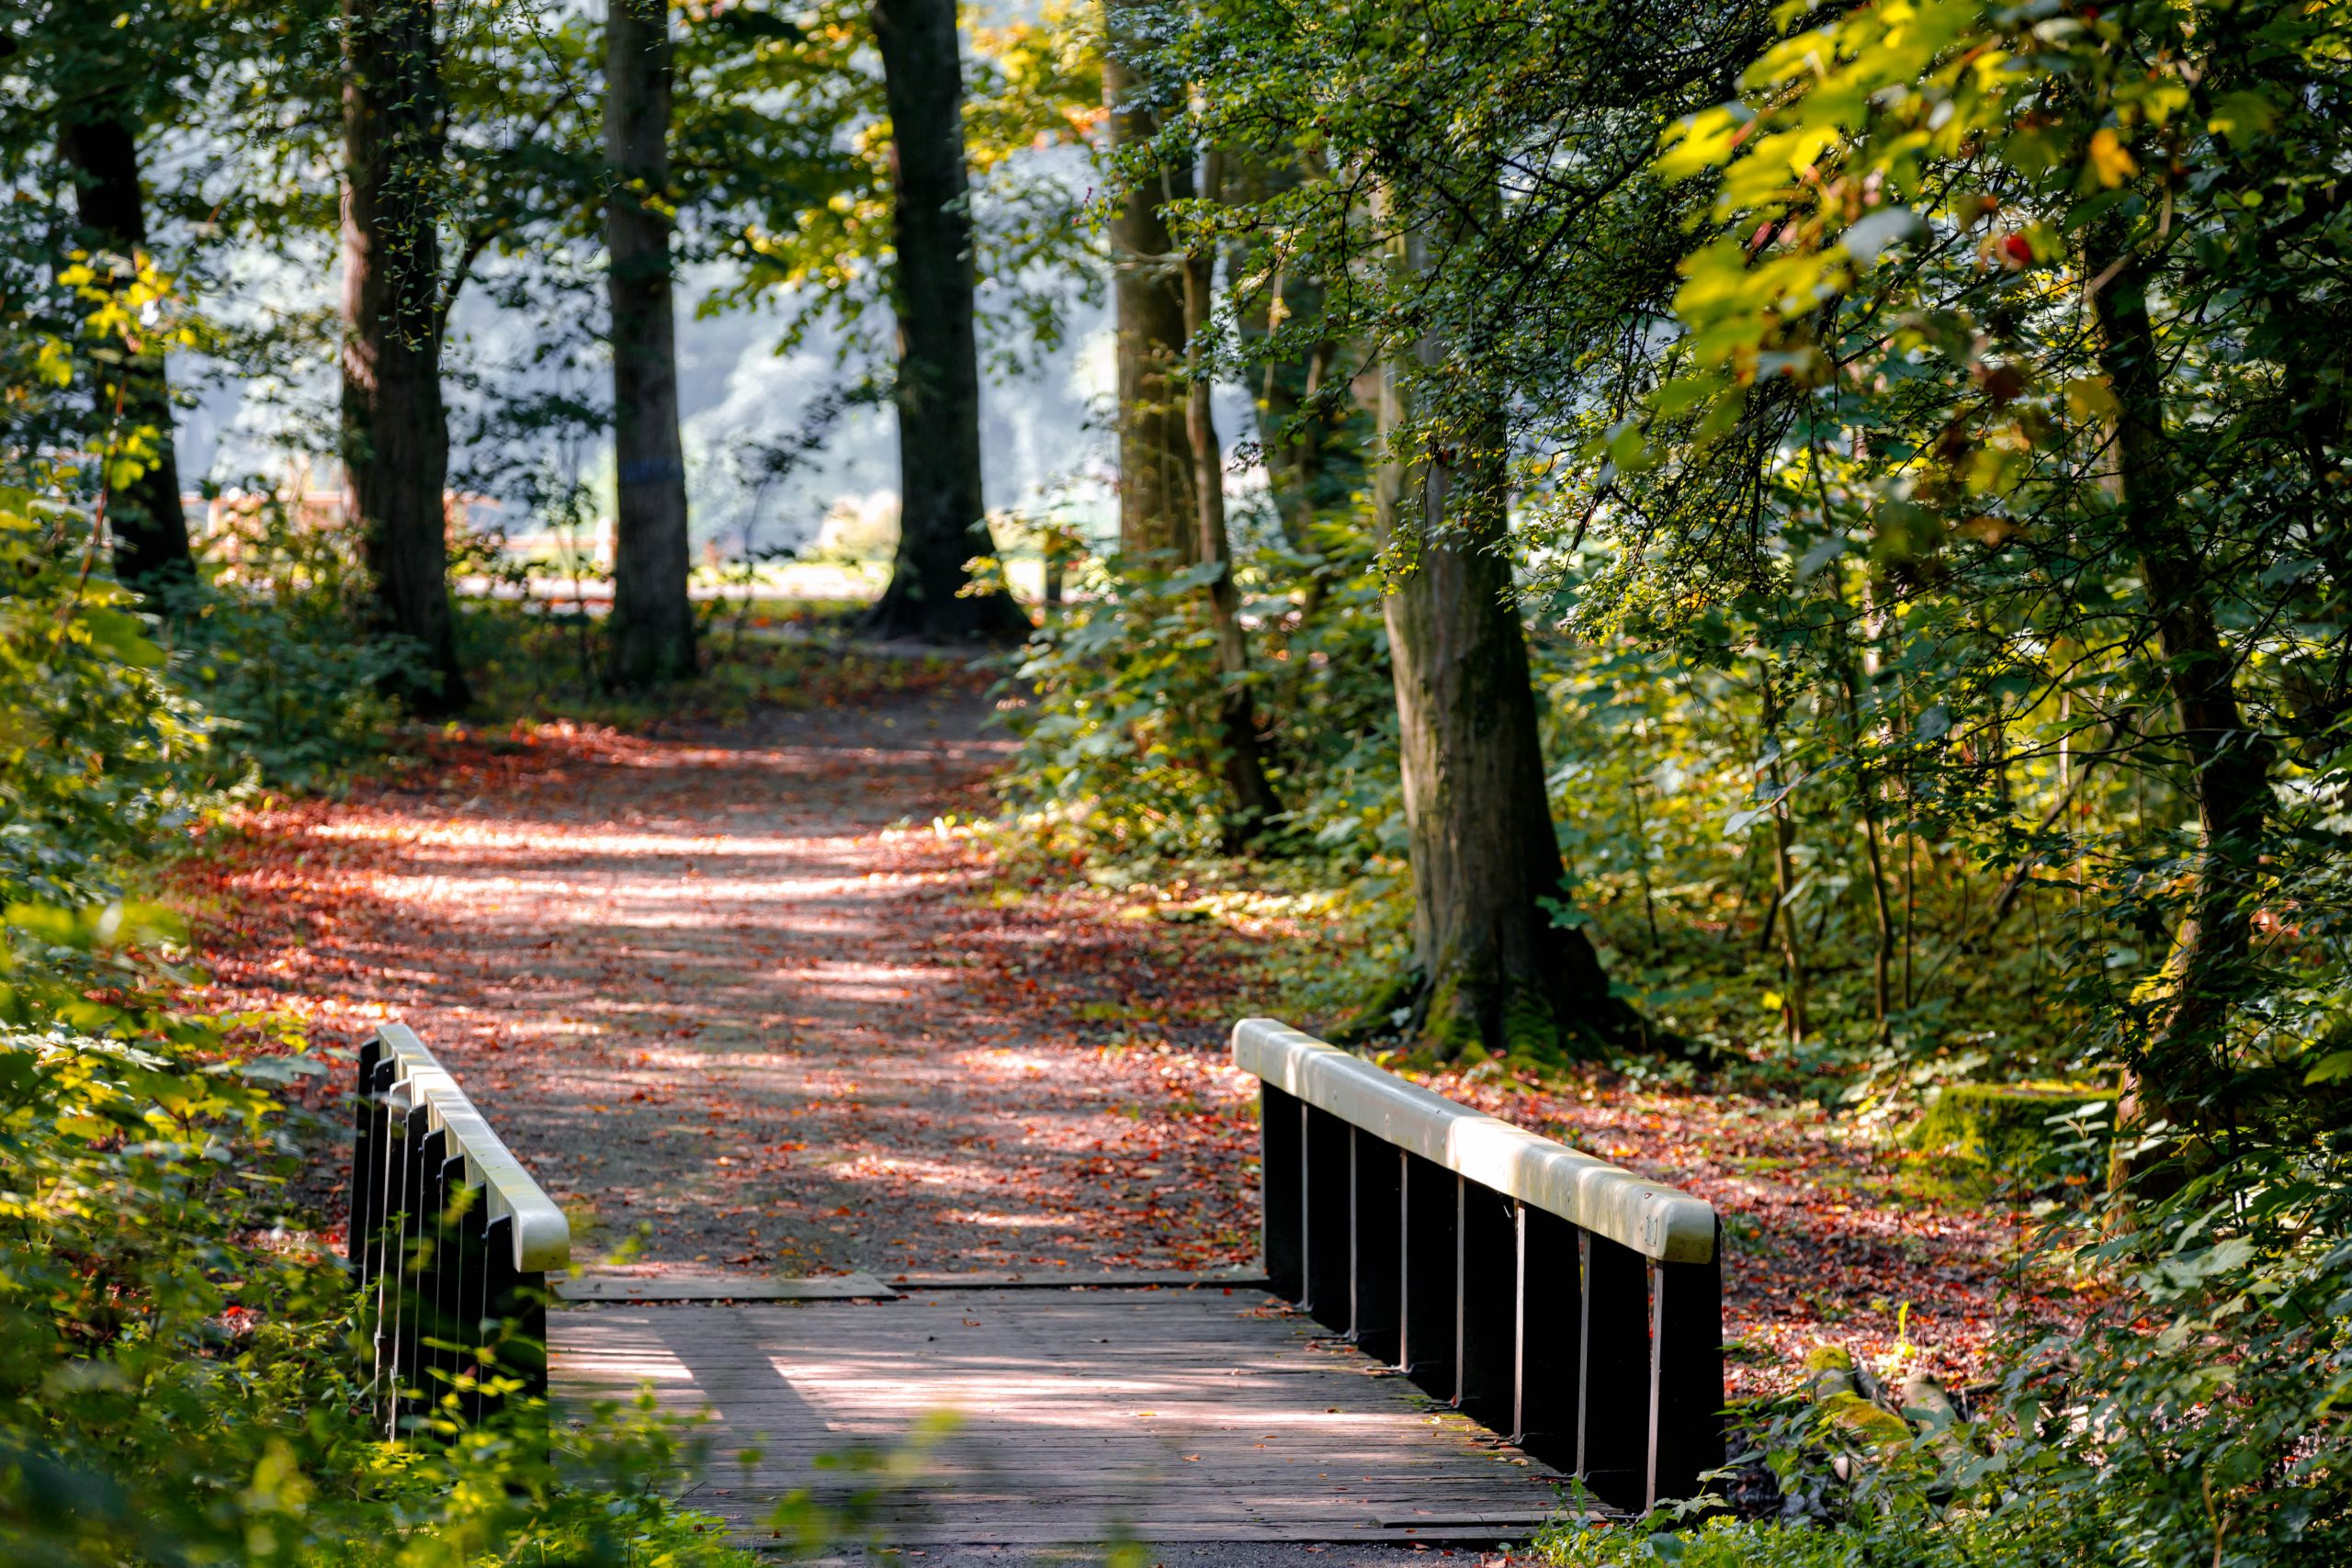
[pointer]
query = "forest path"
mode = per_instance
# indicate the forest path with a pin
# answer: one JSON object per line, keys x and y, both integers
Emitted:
{"x": 729, "y": 986}
{"x": 733, "y": 993}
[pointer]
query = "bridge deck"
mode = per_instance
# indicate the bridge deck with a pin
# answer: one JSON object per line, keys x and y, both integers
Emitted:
{"x": 1085, "y": 1417}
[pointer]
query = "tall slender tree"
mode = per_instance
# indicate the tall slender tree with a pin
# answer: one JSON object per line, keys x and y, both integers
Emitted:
{"x": 654, "y": 626}
{"x": 943, "y": 520}
{"x": 151, "y": 544}
{"x": 395, "y": 426}
{"x": 1243, "y": 754}
{"x": 1149, "y": 294}
{"x": 109, "y": 76}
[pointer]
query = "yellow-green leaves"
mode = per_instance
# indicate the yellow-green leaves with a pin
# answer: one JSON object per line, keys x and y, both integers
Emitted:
{"x": 2110, "y": 162}
{"x": 1702, "y": 141}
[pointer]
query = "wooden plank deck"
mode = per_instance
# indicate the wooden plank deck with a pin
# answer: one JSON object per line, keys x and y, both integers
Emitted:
{"x": 1085, "y": 1416}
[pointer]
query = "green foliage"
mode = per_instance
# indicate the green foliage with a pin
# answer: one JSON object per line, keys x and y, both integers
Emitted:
{"x": 176, "y": 1354}
{"x": 274, "y": 642}
{"x": 95, "y": 743}
{"x": 1118, "y": 717}
{"x": 2024, "y": 1133}
{"x": 2200, "y": 1419}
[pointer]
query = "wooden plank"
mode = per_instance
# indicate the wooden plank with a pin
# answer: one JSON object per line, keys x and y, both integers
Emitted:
{"x": 1116, "y": 1279}
{"x": 596, "y": 1285}
{"x": 1158, "y": 1415}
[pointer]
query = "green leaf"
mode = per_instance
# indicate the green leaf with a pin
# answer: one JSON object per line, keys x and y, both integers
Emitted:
{"x": 2331, "y": 1067}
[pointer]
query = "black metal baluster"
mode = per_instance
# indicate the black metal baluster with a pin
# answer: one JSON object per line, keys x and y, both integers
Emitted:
{"x": 392, "y": 1212}
{"x": 1612, "y": 1401}
{"x": 1551, "y": 1322}
{"x": 1426, "y": 1318}
{"x": 1487, "y": 1304}
{"x": 1280, "y": 1154}
{"x": 1374, "y": 1224}
{"x": 519, "y": 1305}
{"x": 402, "y": 1280}
{"x": 448, "y": 1280}
{"x": 473, "y": 1317}
{"x": 501, "y": 1303}
{"x": 366, "y": 1115}
{"x": 1325, "y": 1264}
{"x": 1686, "y": 1374}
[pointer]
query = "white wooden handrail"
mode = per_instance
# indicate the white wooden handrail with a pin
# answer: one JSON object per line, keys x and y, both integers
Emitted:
{"x": 542, "y": 1236}
{"x": 1609, "y": 1201}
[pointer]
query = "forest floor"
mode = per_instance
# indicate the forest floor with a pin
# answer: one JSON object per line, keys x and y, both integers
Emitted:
{"x": 745, "y": 998}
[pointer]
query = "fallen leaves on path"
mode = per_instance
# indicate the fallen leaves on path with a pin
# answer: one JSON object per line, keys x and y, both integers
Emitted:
{"x": 745, "y": 999}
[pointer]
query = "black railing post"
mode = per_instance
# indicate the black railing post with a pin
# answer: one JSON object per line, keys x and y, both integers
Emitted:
{"x": 1613, "y": 1398}
{"x": 1686, "y": 1374}
{"x": 518, "y": 1315}
{"x": 502, "y": 1305}
{"x": 1374, "y": 1222}
{"x": 413, "y": 1283}
{"x": 474, "y": 1327}
{"x": 1325, "y": 1263}
{"x": 397, "y": 1186}
{"x": 366, "y": 1116}
{"x": 1425, "y": 1284}
{"x": 447, "y": 1317}
{"x": 1280, "y": 1167}
{"x": 1551, "y": 1322}
{"x": 1487, "y": 1303}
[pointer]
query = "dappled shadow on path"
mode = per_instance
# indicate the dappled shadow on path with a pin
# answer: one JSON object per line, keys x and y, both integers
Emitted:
{"x": 718, "y": 995}
{"x": 749, "y": 999}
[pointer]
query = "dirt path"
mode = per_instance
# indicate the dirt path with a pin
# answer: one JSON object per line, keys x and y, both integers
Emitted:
{"x": 740, "y": 1004}
{"x": 730, "y": 995}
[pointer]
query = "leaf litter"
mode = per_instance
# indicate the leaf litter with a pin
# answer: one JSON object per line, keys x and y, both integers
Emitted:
{"x": 741, "y": 999}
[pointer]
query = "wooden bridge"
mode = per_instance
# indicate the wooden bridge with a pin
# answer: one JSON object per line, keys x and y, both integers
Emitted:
{"x": 1455, "y": 1316}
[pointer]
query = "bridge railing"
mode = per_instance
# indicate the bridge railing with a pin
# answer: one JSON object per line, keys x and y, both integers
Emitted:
{"x": 450, "y": 1243}
{"x": 1557, "y": 1298}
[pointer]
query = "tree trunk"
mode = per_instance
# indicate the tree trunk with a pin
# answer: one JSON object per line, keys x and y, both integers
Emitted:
{"x": 2229, "y": 762}
{"x": 654, "y": 622}
{"x": 395, "y": 430}
{"x": 1793, "y": 1005}
{"x": 942, "y": 519}
{"x": 1148, "y": 288}
{"x": 1499, "y": 975}
{"x": 151, "y": 546}
{"x": 1244, "y": 763}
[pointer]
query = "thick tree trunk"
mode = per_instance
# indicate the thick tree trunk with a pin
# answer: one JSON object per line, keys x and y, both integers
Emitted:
{"x": 942, "y": 518}
{"x": 1499, "y": 975}
{"x": 653, "y": 624}
{"x": 2229, "y": 761}
{"x": 1147, "y": 286}
{"x": 151, "y": 546}
{"x": 395, "y": 429}
{"x": 1244, "y": 763}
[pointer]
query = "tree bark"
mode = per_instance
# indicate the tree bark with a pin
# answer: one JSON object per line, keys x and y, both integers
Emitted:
{"x": 1147, "y": 288}
{"x": 943, "y": 521}
{"x": 1793, "y": 1005}
{"x": 654, "y": 623}
{"x": 1499, "y": 975}
{"x": 1243, "y": 756}
{"x": 395, "y": 428}
{"x": 150, "y": 545}
{"x": 2229, "y": 761}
